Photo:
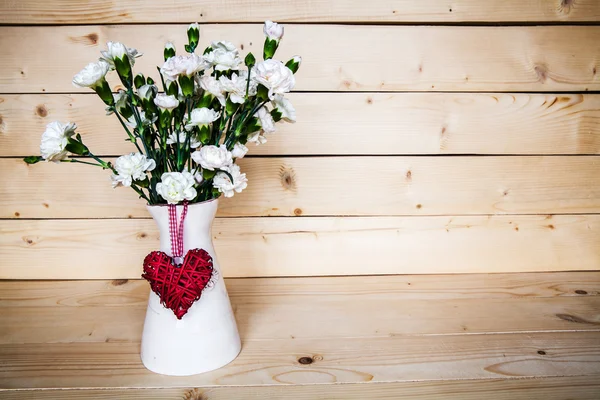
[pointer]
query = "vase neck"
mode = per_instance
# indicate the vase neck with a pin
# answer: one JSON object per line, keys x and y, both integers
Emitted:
{"x": 196, "y": 226}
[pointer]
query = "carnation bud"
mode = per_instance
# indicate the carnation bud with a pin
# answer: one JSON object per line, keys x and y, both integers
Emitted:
{"x": 139, "y": 81}
{"x": 77, "y": 147}
{"x": 33, "y": 159}
{"x": 169, "y": 50}
{"x": 147, "y": 92}
{"x": 193, "y": 34}
{"x": 294, "y": 63}
{"x": 276, "y": 114}
{"x": 273, "y": 30}
{"x": 250, "y": 60}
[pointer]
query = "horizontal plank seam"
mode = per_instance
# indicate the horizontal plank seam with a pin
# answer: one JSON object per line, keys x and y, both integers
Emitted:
{"x": 314, "y": 216}
{"x": 308, "y": 92}
{"x": 595, "y": 92}
{"x": 325, "y": 276}
{"x": 409, "y": 155}
{"x": 504, "y": 378}
{"x": 371, "y": 23}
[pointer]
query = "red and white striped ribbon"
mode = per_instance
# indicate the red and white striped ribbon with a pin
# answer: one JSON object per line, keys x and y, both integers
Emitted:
{"x": 176, "y": 232}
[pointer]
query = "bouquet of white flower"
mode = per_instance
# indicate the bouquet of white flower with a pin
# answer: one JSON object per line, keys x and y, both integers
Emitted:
{"x": 189, "y": 136}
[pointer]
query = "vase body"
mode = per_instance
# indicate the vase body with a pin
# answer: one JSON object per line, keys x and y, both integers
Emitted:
{"x": 206, "y": 338}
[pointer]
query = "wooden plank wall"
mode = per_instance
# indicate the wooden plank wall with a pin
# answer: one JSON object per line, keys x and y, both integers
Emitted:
{"x": 432, "y": 137}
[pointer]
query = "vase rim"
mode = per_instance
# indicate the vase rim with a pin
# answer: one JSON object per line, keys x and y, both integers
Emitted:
{"x": 179, "y": 205}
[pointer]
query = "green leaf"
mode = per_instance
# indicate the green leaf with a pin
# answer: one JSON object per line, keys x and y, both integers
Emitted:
{"x": 207, "y": 50}
{"x": 188, "y": 48}
{"x": 33, "y": 159}
{"x": 150, "y": 81}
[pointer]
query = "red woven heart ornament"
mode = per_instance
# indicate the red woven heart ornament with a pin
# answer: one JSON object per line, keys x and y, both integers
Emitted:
{"x": 178, "y": 287}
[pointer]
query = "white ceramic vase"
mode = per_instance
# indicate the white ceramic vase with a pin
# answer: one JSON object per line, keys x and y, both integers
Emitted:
{"x": 206, "y": 338}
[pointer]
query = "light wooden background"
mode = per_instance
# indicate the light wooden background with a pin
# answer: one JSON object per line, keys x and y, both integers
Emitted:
{"x": 432, "y": 137}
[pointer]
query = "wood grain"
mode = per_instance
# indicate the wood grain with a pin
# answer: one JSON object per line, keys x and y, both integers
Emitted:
{"x": 317, "y": 186}
{"x": 548, "y": 388}
{"x": 126, "y": 293}
{"x": 406, "y": 58}
{"x": 247, "y": 247}
{"x": 97, "y": 311}
{"x": 348, "y": 360}
{"x": 130, "y": 11}
{"x": 353, "y": 123}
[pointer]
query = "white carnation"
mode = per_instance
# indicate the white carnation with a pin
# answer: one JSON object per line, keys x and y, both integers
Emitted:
{"x": 120, "y": 99}
{"x": 212, "y": 86}
{"x": 181, "y": 138}
{"x": 119, "y": 50}
{"x": 285, "y": 107}
{"x": 257, "y": 137}
{"x": 213, "y": 157}
{"x": 273, "y": 30}
{"x": 266, "y": 120}
{"x": 132, "y": 122}
{"x": 197, "y": 175}
{"x": 224, "y": 56}
{"x": 239, "y": 150}
{"x": 236, "y": 86}
{"x": 54, "y": 140}
{"x": 131, "y": 167}
{"x": 91, "y": 75}
{"x": 147, "y": 91}
{"x": 275, "y": 76}
{"x": 223, "y": 182}
{"x": 175, "y": 187}
{"x": 182, "y": 65}
{"x": 166, "y": 102}
{"x": 202, "y": 116}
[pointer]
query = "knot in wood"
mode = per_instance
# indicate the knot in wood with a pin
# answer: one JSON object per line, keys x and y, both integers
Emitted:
{"x": 305, "y": 360}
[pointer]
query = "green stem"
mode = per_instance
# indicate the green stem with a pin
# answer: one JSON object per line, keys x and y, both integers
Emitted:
{"x": 248, "y": 82}
{"x": 132, "y": 138}
{"x": 140, "y": 192}
{"x": 74, "y": 160}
